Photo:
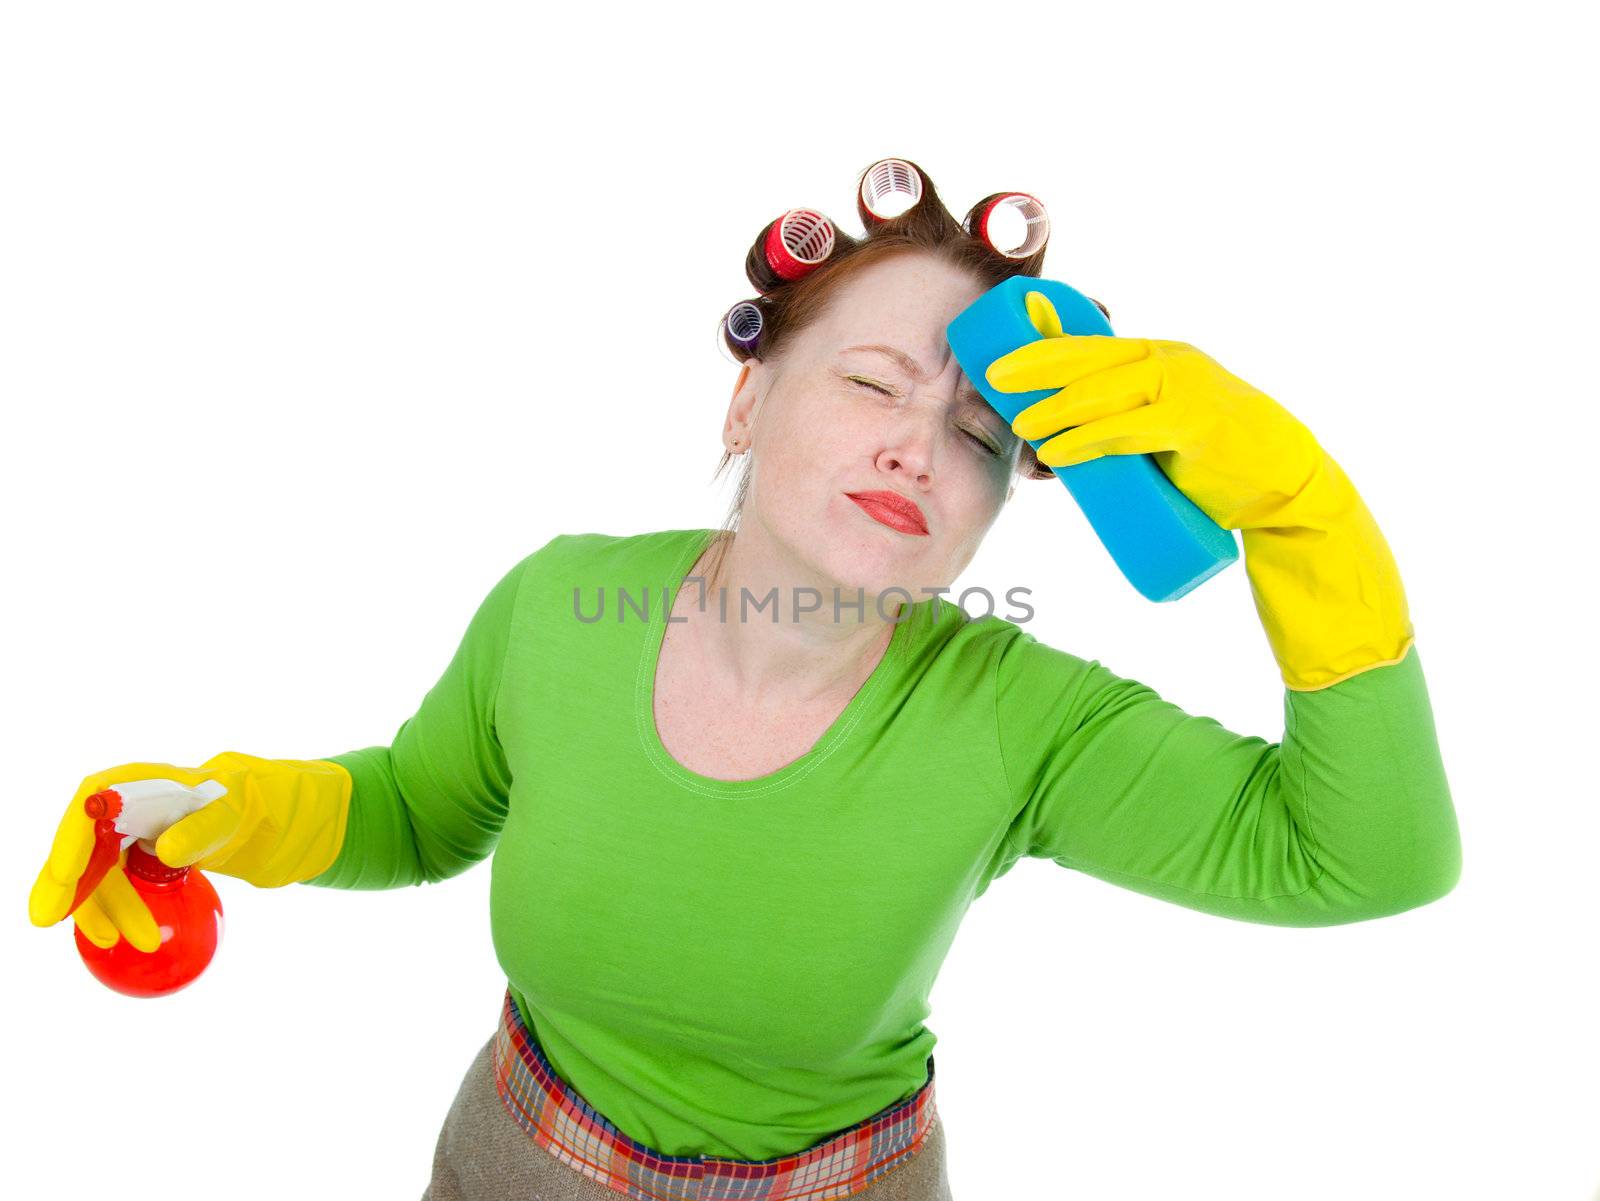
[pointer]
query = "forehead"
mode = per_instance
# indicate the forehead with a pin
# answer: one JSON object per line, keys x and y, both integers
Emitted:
{"x": 906, "y": 301}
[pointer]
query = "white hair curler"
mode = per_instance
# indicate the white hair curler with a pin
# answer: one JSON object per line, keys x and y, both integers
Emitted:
{"x": 888, "y": 189}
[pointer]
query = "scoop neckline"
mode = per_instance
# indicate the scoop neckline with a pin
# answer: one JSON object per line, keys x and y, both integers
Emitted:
{"x": 790, "y": 773}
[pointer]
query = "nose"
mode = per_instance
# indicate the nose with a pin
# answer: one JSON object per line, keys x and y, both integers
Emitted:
{"x": 909, "y": 452}
{"x": 918, "y": 477}
{"x": 912, "y": 447}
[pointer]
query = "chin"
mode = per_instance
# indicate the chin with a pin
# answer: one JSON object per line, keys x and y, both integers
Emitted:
{"x": 875, "y": 558}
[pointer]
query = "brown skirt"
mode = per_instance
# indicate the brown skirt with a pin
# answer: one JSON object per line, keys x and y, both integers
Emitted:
{"x": 484, "y": 1155}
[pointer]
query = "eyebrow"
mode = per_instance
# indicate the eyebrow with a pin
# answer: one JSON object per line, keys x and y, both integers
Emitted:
{"x": 911, "y": 367}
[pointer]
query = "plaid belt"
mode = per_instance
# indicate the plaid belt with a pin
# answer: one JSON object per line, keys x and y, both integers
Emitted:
{"x": 557, "y": 1118}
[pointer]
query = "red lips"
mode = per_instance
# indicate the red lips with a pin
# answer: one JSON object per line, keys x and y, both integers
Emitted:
{"x": 892, "y": 510}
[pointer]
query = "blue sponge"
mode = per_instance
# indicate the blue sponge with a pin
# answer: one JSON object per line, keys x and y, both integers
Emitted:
{"x": 1163, "y": 543}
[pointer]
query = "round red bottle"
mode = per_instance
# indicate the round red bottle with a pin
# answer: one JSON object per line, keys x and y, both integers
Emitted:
{"x": 187, "y": 911}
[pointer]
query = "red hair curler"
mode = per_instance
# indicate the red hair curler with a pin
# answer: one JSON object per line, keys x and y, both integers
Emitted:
{"x": 798, "y": 243}
{"x": 1003, "y": 209}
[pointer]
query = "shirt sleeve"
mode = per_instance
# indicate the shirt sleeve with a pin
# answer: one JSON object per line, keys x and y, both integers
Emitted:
{"x": 1348, "y": 818}
{"x": 431, "y": 804}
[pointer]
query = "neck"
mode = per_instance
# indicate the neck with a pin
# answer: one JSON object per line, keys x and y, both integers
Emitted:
{"x": 798, "y": 647}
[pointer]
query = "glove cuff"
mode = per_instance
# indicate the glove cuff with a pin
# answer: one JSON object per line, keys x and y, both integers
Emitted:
{"x": 293, "y": 820}
{"x": 1326, "y": 586}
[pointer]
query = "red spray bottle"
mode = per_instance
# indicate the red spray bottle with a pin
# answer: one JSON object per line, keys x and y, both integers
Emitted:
{"x": 188, "y": 913}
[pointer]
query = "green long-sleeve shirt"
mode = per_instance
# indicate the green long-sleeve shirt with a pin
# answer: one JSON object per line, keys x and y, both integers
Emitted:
{"x": 741, "y": 968}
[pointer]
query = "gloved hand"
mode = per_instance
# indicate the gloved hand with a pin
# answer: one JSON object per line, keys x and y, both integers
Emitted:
{"x": 1324, "y": 580}
{"x": 280, "y": 821}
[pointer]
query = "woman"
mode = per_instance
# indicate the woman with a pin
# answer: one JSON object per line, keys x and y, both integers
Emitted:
{"x": 741, "y": 785}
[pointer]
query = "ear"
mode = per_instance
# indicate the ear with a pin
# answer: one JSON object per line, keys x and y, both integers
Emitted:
{"x": 741, "y": 408}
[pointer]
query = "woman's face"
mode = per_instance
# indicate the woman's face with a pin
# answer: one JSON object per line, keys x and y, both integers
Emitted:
{"x": 834, "y": 418}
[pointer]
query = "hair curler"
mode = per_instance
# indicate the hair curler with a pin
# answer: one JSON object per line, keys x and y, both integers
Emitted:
{"x": 888, "y": 189}
{"x": 991, "y": 215}
{"x": 1162, "y": 542}
{"x": 792, "y": 246}
{"x": 744, "y": 322}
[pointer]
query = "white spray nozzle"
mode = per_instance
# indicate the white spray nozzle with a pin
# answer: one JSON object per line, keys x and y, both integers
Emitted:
{"x": 150, "y": 806}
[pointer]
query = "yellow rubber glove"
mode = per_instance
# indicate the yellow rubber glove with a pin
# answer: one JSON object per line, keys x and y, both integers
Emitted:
{"x": 1325, "y": 583}
{"x": 280, "y": 821}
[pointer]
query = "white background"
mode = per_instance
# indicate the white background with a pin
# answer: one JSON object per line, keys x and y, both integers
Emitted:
{"x": 317, "y": 317}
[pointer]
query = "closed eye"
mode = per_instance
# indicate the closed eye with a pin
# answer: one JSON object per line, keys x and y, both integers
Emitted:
{"x": 865, "y": 383}
{"x": 982, "y": 443}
